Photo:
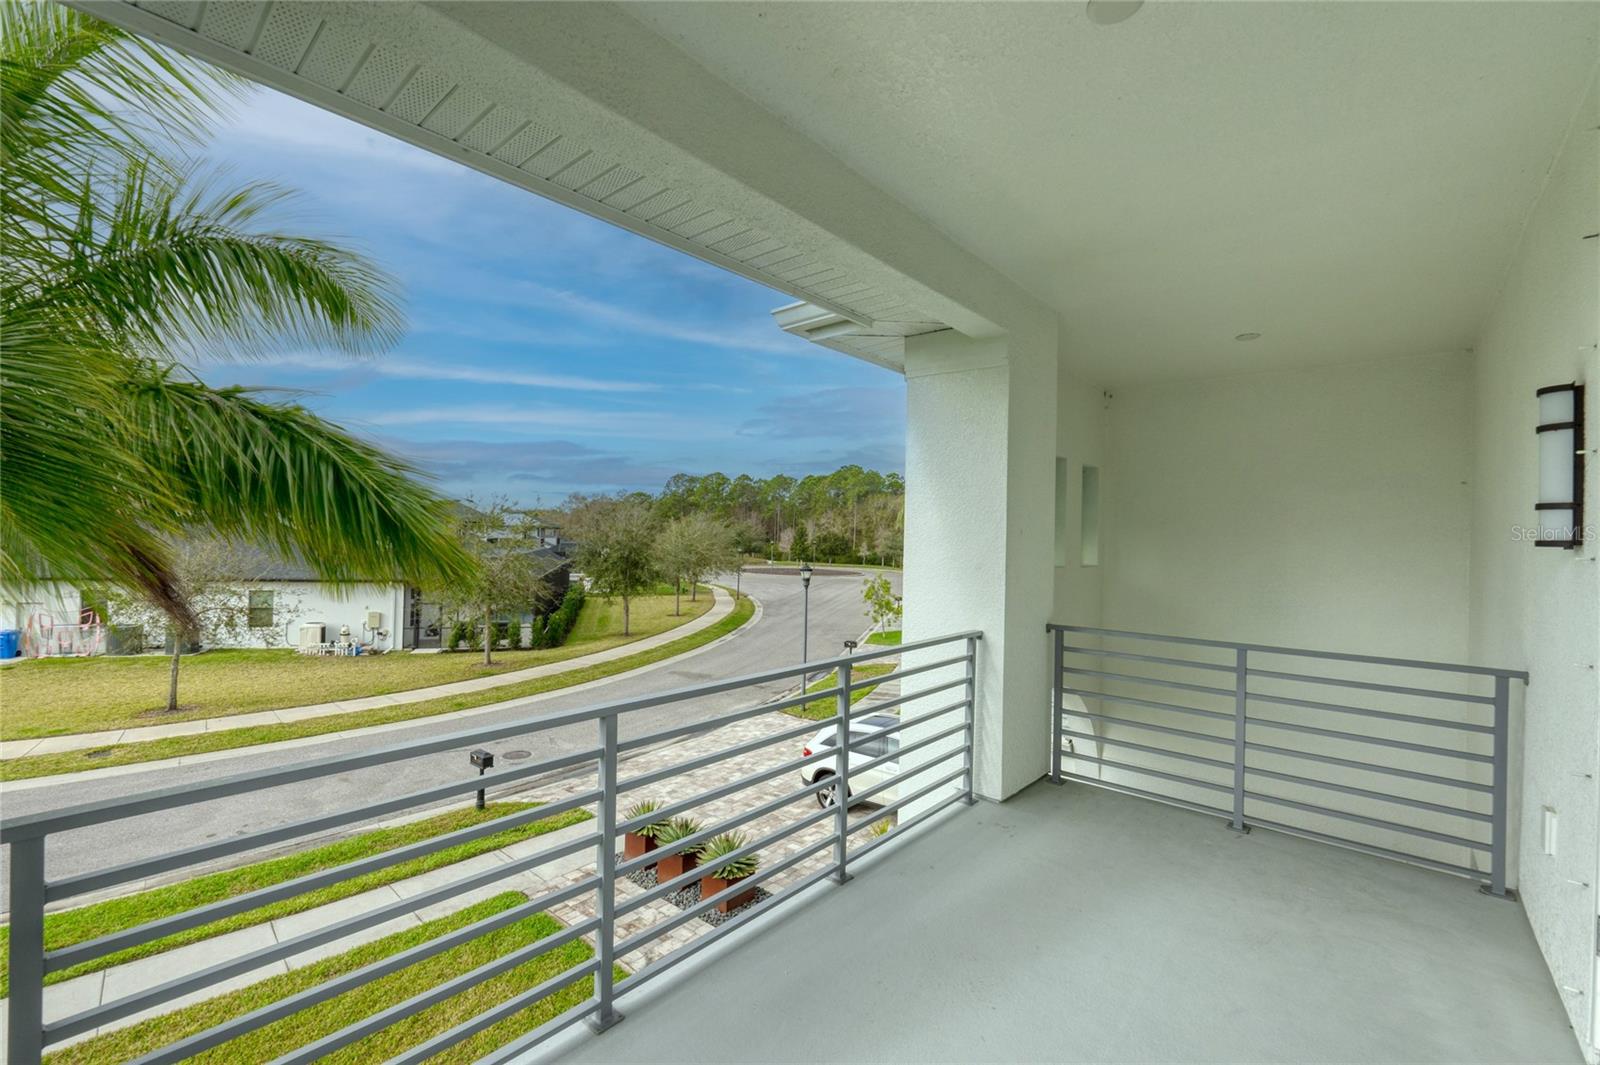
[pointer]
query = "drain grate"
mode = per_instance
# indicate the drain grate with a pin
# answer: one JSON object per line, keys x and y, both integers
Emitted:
{"x": 517, "y": 756}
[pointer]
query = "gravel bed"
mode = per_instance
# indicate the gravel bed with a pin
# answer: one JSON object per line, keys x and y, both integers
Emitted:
{"x": 646, "y": 878}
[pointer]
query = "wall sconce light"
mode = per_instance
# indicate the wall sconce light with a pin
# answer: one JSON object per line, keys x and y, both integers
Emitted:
{"x": 1560, "y": 432}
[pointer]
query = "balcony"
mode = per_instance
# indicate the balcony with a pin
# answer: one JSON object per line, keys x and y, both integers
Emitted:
{"x": 1075, "y": 924}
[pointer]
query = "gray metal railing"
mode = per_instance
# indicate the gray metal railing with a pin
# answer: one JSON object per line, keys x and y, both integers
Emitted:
{"x": 28, "y": 1034}
{"x": 1296, "y": 729}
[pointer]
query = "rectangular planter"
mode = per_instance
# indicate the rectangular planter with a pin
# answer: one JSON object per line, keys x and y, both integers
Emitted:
{"x": 669, "y": 866}
{"x": 710, "y": 885}
{"x": 636, "y": 846}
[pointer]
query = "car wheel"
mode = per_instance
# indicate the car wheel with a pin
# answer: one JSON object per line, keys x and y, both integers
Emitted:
{"x": 827, "y": 796}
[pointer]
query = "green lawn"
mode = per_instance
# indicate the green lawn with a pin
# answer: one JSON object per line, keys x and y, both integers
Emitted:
{"x": 825, "y": 707}
{"x": 272, "y": 1040}
{"x": 58, "y": 696}
{"x": 885, "y": 639}
{"x": 66, "y": 927}
{"x": 175, "y": 746}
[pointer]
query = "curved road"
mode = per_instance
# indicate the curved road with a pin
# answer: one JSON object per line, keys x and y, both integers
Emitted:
{"x": 837, "y": 614}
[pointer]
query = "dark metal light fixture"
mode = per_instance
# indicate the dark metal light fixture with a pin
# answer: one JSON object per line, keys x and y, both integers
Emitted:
{"x": 805, "y": 618}
{"x": 1560, "y": 429}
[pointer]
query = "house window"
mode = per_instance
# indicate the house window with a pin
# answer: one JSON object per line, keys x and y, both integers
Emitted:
{"x": 1089, "y": 545}
{"x": 261, "y": 609}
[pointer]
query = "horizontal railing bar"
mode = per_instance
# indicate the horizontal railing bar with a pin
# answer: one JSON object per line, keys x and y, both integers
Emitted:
{"x": 66, "y": 957}
{"x": 28, "y": 826}
{"x": 1176, "y": 778}
{"x": 1352, "y": 763}
{"x": 1199, "y": 759}
{"x": 514, "y": 1050}
{"x": 1130, "y": 656}
{"x": 1206, "y": 689}
{"x": 70, "y": 887}
{"x": 644, "y": 780}
{"x": 694, "y": 946}
{"x": 750, "y": 781}
{"x": 911, "y": 671}
{"x": 376, "y": 1022}
{"x": 1363, "y": 819}
{"x": 921, "y": 793}
{"x": 1363, "y": 711}
{"x": 1367, "y": 685}
{"x": 1151, "y": 726}
{"x": 1156, "y": 796}
{"x": 899, "y": 830}
{"x": 895, "y": 756}
{"x": 906, "y": 697}
{"x": 493, "y": 1015}
{"x": 720, "y": 721}
{"x": 1299, "y": 652}
{"x": 892, "y": 650}
{"x": 1369, "y": 848}
{"x": 865, "y": 795}
{"x": 661, "y": 928}
{"x": 905, "y": 723}
{"x": 1380, "y": 741}
{"x": 107, "y": 1012}
{"x": 1151, "y": 703}
{"x": 1382, "y": 796}
{"x": 311, "y": 996}
{"x": 684, "y": 879}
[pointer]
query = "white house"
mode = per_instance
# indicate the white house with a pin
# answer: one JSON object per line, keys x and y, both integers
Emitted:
{"x": 1228, "y": 322}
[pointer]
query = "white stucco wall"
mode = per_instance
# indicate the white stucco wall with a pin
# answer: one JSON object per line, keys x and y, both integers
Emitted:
{"x": 1324, "y": 508}
{"x": 305, "y": 602}
{"x": 1537, "y": 607}
{"x": 1080, "y": 441}
{"x": 54, "y": 599}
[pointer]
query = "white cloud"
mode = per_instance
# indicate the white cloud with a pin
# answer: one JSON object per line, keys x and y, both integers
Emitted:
{"x": 651, "y": 425}
{"x": 434, "y": 370}
{"x": 765, "y": 338}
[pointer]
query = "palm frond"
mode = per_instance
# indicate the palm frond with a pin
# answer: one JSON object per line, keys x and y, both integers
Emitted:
{"x": 277, "y": 475}
{"x": 184, "y": 267}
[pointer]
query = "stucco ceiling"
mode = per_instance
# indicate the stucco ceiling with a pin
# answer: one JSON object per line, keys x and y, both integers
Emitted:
{"x": 1348, "y": 180}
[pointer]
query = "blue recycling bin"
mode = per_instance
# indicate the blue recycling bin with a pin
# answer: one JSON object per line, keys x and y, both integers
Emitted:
{"x": 8, "y": 643}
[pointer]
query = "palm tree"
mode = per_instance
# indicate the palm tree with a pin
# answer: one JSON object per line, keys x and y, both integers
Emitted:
{"x": 121, "y": 258}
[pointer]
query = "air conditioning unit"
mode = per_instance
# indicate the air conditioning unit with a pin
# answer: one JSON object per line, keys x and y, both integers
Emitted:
{"x": 374, "y": 620}
{"x": 312, "y": 635}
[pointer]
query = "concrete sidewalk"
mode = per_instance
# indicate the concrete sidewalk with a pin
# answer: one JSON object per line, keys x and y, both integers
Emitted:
{"x": 720, "y": 608}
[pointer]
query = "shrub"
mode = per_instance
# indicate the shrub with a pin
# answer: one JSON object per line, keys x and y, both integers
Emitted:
{"x": 460, "y": 633}
{"x": 559, "y": 624}
{"x": 727, "y": 843}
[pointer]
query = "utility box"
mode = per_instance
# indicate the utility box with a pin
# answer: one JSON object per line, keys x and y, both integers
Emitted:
{"x": 312, "y": 635}
{"x": 374, "y": 619}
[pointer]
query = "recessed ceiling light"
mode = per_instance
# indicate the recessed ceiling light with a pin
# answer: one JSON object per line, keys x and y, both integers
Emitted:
{"x": 1248, "y": 336}
{"x": 1111, "y": 12}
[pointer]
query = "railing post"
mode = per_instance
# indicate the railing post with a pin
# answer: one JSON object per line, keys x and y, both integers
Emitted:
{"x": 25, "y": 1009}
{"x": 1059, "y": 638}
{"x": 841, "y": 783}
{"x": 606, "y": 935}
{"x": 1502, "y": 759}
{"x": 971, "y": 735}
{"x": 1240, "y": 675}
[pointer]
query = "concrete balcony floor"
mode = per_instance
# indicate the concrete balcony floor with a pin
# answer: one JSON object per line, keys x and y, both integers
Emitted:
{"x": 1072, "y": 924}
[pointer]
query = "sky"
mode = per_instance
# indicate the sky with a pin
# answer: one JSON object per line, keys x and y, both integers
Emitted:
{"x": 546, "y": 352}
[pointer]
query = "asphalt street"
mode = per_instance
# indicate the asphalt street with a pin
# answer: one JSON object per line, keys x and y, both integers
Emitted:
{"x": 836, "y": 614}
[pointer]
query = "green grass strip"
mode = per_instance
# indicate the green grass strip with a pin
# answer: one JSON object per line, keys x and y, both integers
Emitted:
{"x": 824, "y": 708}
{"x": 885, "y": 639}
{"x": 268, "y": 1042}
{"x": 202, "y": 743}
{"x": 67, "y": 927}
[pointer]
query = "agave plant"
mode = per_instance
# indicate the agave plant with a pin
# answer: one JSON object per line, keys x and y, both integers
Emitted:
{"x": 644, "y": 808}
{"x": 675, "y": 828}
{"x": 880, "y": 827}
{"x": 733, "y": 869}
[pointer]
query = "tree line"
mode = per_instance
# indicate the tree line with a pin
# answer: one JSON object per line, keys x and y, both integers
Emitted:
{"x": 852, "y": 515}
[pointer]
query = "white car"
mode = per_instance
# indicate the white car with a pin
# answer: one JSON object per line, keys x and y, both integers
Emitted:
{"x": 866, "y": 744}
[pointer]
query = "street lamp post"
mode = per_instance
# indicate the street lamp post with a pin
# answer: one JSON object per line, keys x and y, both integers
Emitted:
{"x": 805, "y": 616}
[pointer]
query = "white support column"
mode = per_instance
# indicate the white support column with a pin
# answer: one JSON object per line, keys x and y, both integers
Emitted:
{"x": 980, "y": 459}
